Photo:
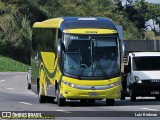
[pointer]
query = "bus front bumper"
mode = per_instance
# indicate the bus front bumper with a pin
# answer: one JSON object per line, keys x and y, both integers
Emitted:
{"x": 91, "y": 92}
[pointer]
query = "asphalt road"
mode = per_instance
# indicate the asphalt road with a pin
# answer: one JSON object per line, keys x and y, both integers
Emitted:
{"x": 14, "y": 96}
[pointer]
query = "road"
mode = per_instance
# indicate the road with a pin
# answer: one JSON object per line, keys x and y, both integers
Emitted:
{"x": 14, "y": 96}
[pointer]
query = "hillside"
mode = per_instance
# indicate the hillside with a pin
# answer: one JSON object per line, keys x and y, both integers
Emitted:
{"x": 8, "y": 64}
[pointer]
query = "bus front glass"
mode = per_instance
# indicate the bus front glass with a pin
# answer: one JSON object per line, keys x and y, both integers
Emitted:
{"x": 91, "y": 56}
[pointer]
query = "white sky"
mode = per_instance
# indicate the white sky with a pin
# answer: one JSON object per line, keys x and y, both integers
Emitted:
{"x": 153, "y": 1}
{"x": 150, "y": 1}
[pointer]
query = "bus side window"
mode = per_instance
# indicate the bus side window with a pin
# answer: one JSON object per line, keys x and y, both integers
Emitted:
{"x": 48, "y": 40}
{"x": 34, "y": 41}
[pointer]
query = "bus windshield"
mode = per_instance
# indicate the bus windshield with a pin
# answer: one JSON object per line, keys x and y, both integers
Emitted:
{"x": 91, "y": 56}
{"x": 146, "y": 63}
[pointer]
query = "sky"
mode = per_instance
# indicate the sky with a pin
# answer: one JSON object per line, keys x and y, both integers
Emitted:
{"x": 153, "y": 1}
{"x": 150, "y": 1}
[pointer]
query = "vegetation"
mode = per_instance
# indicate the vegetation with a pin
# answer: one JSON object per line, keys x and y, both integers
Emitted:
{"x": 8, "y": 64}
{"x": 18, "y": 16}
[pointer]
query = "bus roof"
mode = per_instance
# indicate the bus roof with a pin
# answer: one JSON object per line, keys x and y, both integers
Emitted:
{"x": 66, "y": 23}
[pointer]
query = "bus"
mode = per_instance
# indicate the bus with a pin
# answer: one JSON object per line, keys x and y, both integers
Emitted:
{"x": 76, "y": 58}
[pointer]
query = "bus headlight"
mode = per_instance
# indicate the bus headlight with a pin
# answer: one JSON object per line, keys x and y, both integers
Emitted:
{"x": 68, "y": 83}
{"x": 137, "y": 79}
{"x": 116, "y": 84}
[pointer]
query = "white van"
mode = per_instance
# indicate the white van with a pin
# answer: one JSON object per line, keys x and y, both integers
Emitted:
{"x": 143, "y": 74}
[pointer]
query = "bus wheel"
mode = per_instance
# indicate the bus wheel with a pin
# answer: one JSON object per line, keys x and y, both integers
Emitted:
{"x": 60, "y": 101}
{"x": 83, "y": 101}
{"x": 110, "y": 102}
{"x": 122, "y": 97}
{"x": 158, "y": 98}
{"x": 42, "y": 98}
{"x": 91, "y": 101}
{"x": 132, "y": 95}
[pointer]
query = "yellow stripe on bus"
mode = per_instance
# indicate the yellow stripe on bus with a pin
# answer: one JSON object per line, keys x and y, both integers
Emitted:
{"x": 51, "y": 23}
{"x": 90, "y": 31}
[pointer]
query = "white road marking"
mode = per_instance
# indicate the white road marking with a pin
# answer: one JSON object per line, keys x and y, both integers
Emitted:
{"x": 25, "y": 103}
{"x": 63, "y": 111}
{"x": 17, "y": 77}
{"x": 10, "y": 88}
{"x": 30, "y": 92}
{"x": 2, "y": 80}
{"x": 149, "y": 109}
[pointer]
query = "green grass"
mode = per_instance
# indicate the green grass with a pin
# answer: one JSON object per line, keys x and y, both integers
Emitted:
{"x": 10, "y": 65}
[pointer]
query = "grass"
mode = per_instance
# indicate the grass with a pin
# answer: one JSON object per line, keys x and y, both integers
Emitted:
{"x": 10, "y": 65}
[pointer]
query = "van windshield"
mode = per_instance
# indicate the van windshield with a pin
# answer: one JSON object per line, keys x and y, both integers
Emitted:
{"x": 146, "y": 63}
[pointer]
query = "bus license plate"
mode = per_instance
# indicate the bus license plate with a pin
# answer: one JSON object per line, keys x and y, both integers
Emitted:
{"x": 155, "y": 93}
{"x": 92, "y": 94}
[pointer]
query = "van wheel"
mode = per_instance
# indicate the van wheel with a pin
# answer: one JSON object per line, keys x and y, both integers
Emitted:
{"x": 60, "y": 101}
{"x": 132, "y": 95}
{"x": 110, "y": 102}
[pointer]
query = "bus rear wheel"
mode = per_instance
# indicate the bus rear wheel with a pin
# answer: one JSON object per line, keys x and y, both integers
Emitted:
{"x": 110, "y": 102}
{"x": 42, "y": 98}
{"x": 60, "y": 101}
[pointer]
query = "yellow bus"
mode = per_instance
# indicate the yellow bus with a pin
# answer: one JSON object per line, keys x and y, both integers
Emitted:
{"x": 76, "y": 58}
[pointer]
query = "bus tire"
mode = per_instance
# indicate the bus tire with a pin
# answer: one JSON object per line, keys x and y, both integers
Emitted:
{"x": 132, "y": 95}
{"x": 92, "y": 101}
{"x": 122, "y": 97}
{"x": 83, "y": 101}
{"x": 157, "y": 98}
{"x": 41, "y": 98}
{"x": 60, "y": 101}
{"x": 110, "y": 102}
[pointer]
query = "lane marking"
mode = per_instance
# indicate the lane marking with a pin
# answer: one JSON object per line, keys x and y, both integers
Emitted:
{"x": 2, "y": 80}
{"x": 63, "y": 111}
{"x": 149, "y": 109}
{"x": 17, "y": 77}
{"x": 25, "y": 103}
{"x": 30, "y": 93}
{"x": 10, "y": 88}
